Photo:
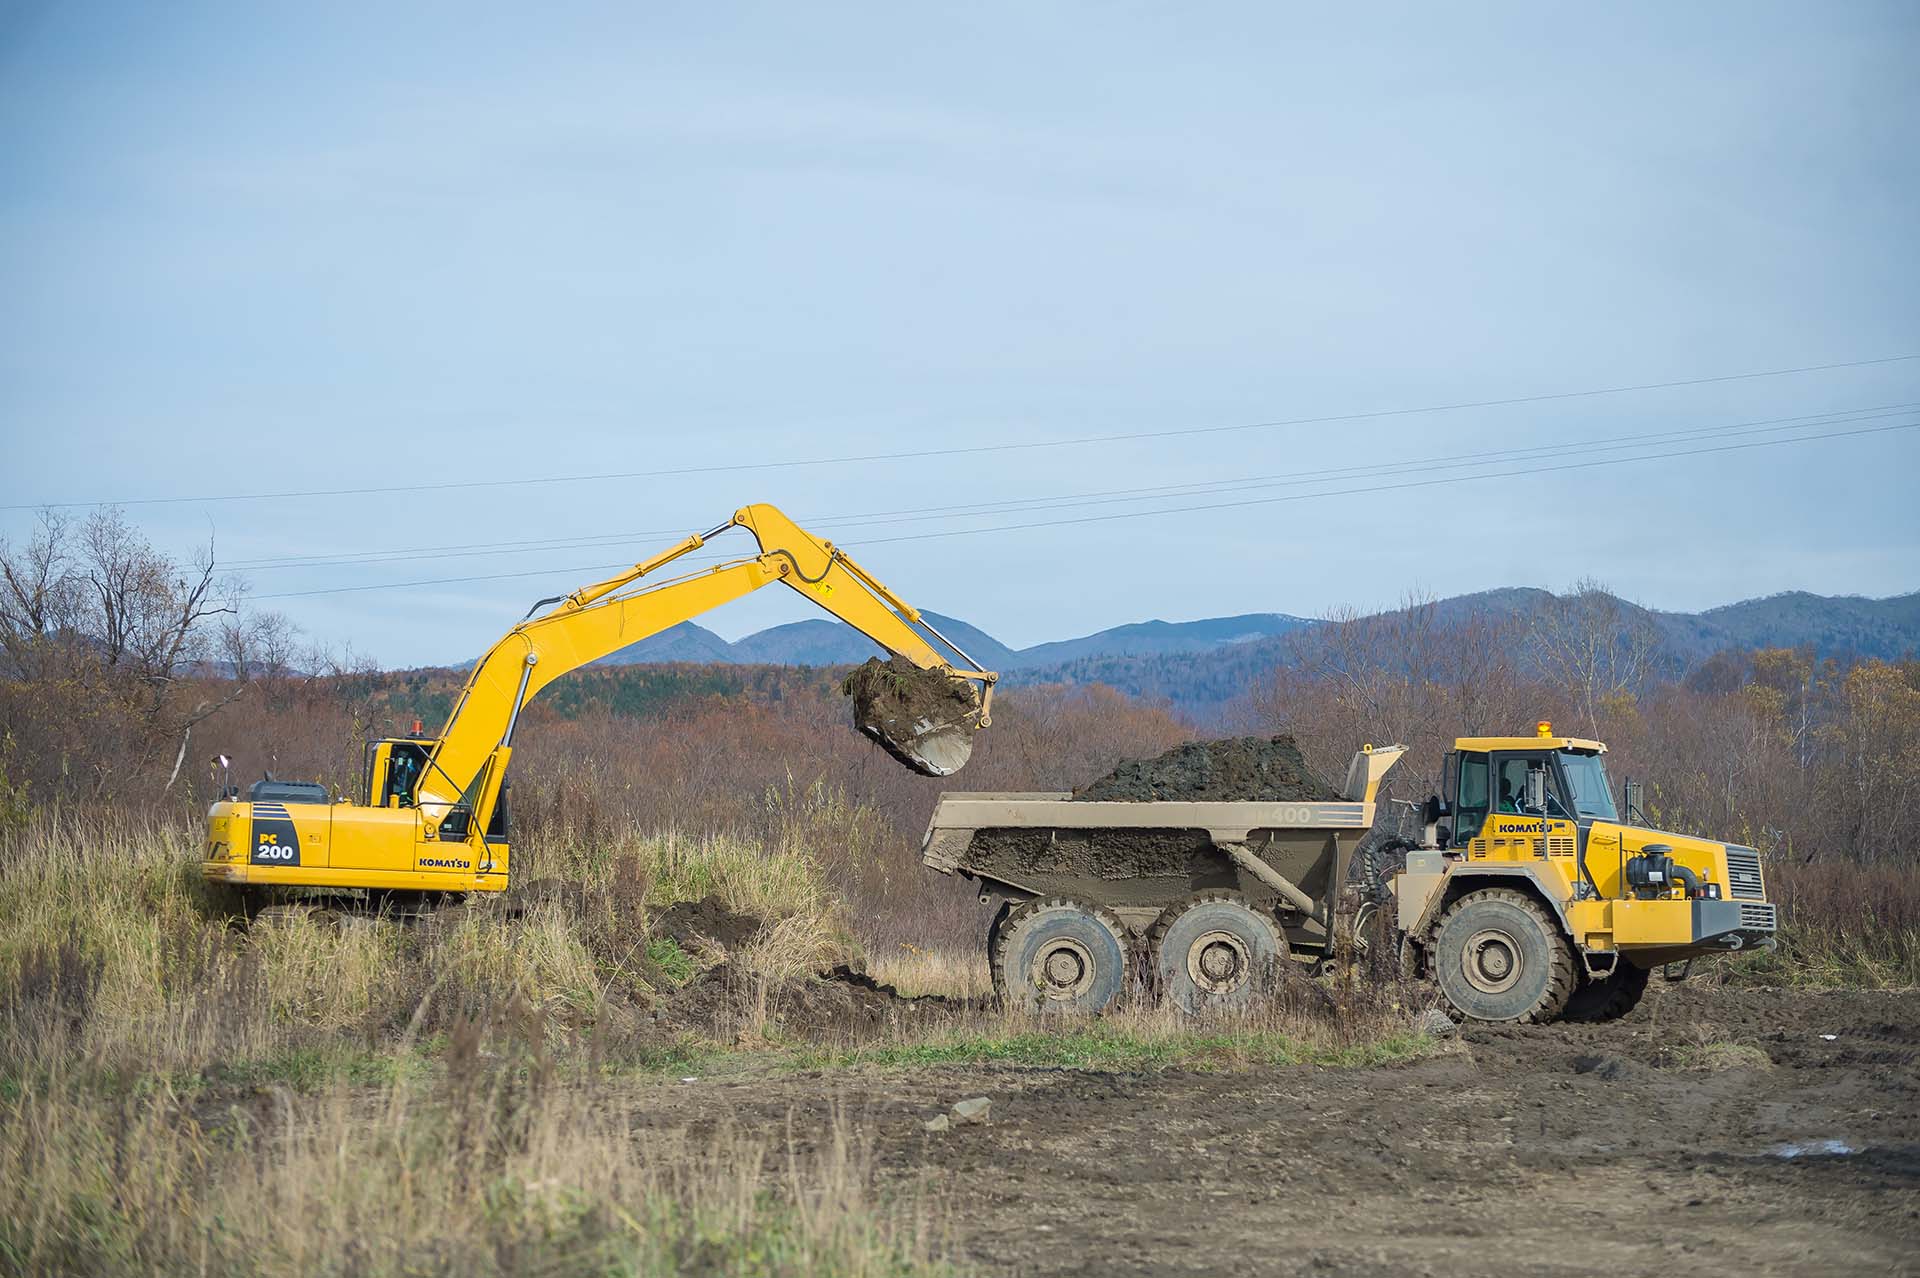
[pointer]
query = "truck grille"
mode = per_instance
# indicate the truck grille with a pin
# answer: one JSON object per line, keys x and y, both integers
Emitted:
{"x": 1743, "y": 875}
{"x": 1757, "y": 918}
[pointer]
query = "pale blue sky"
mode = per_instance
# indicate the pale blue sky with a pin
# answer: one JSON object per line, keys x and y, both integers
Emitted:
{"x": 270, "y": 247}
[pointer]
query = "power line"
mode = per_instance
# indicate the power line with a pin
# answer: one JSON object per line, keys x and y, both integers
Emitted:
{"x": 970, "y": 449}
{"x": 1384, "y": 488}
{"x": 1171, "y": 510}
{"x": 1103, "y": 497}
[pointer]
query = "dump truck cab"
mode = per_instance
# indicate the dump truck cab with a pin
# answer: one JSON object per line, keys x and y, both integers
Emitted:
{"x": 1535, "y": 893}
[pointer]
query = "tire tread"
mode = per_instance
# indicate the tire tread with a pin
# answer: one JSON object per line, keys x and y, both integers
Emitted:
{"x": 1561, "y": 978}
{"x": 1007, "y": 929}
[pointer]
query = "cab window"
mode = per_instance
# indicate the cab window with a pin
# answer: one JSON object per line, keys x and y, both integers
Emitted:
{"x": 1587, "y": 778}
{"x": 1470, "y": 811}
{"x": 1510, "y": 786}
{"x": 403, "y": 769}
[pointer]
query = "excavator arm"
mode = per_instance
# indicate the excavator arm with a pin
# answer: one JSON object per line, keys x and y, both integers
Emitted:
{"x": 469, "y": 760}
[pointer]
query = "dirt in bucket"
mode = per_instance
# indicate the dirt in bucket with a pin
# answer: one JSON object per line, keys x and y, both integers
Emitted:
{"x": 924, "y": 718}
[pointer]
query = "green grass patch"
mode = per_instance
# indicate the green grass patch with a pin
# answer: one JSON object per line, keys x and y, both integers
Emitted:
{"x": 670, "y": 960}
{"x": 1099, "y": 1047}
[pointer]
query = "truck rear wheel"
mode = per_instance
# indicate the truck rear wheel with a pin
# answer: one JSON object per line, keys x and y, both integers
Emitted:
{"x": 1214, "y": 951}
{"x": 1059, "y": 956}
{"x": 1610, "y": 997}
{"x": 1500, "y": 957}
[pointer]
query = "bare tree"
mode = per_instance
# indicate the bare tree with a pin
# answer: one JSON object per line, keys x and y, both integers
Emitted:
{"x": 98, "y": 627}
{"x": 40, "y": 601}
{"x": 262, "y": 648}
{"x": 1596, "y": 650}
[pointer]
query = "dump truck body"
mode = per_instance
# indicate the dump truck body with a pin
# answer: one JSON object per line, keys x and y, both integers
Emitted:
{"x": 1212, "y": 891}
{"x": 1538, "y": 898}
{"x": 1136, "y": 859}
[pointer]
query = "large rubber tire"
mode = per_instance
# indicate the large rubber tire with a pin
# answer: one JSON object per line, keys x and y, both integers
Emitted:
{"x": 1499, "y": 956}
{"x": 1214, "y": 952}
{"x": 999, "y": 921}
{"x": 1055, "y": 956}
{"x": 1609, "y": 998}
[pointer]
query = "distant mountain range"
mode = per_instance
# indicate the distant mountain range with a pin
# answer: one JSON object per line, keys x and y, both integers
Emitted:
{"x": 1202, "y": 665}
{"x": 834, "y": 643}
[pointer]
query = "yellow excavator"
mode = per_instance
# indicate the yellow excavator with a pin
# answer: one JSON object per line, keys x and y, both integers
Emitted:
{"x": 433, "y": 814}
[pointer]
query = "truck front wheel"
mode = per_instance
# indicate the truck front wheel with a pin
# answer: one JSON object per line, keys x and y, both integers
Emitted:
{"x": 1499, "y": 956}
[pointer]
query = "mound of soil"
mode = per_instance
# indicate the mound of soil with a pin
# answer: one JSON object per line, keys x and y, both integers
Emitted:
{"x": 829, "y": 1005}
{"x": 684, "y": 921}
{"x": 1238, "y": 769}
{"x": 924, "y": 718}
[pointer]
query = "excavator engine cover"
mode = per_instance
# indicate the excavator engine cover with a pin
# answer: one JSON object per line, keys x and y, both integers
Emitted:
{"x": 924, "y": 718}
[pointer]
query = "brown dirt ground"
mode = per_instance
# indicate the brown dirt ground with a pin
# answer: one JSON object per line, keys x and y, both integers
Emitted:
{"x": 1509, "y": 1153}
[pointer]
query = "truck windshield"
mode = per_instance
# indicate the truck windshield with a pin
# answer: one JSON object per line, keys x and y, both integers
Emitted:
{"x": 1587, "y": 778}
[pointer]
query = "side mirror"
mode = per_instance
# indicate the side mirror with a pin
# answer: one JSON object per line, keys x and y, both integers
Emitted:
{"x": 1433, "y": 809}
{"x": 1537, "y": 791}
{"x": 1631, "y": 795}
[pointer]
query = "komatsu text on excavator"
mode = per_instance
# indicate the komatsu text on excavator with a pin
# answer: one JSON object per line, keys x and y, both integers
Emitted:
{"x": 433, "y": 813}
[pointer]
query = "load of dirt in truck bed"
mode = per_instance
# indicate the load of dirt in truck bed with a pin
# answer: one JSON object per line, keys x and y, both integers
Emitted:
{"x": 923, "y": 718}
{"x": 1238, "y": 769}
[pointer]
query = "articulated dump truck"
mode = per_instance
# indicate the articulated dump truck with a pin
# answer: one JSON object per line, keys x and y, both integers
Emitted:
{"x": 1529, "y": 896}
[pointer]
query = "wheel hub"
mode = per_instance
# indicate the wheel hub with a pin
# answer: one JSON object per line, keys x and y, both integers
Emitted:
{"x": 1063, "y": 969}
{"x": 1219, "y": 962}
{"x": 1491, "y": 961}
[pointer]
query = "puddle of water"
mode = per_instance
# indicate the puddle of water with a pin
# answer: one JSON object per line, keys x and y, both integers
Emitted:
{"x": 1813, "y": 1149}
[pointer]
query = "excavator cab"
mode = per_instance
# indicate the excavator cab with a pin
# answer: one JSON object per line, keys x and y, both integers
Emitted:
{"x": 393, "y": 770}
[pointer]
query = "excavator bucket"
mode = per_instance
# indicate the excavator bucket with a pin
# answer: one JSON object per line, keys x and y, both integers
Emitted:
{"x": 924, "y": 718}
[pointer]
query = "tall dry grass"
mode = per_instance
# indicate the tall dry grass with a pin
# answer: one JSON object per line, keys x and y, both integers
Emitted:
{"x": 109, "y": 919}
{"x": 499, "y": 1163}
{"x": 183, "y": 1093}
{"x": 1841, "y": 924}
